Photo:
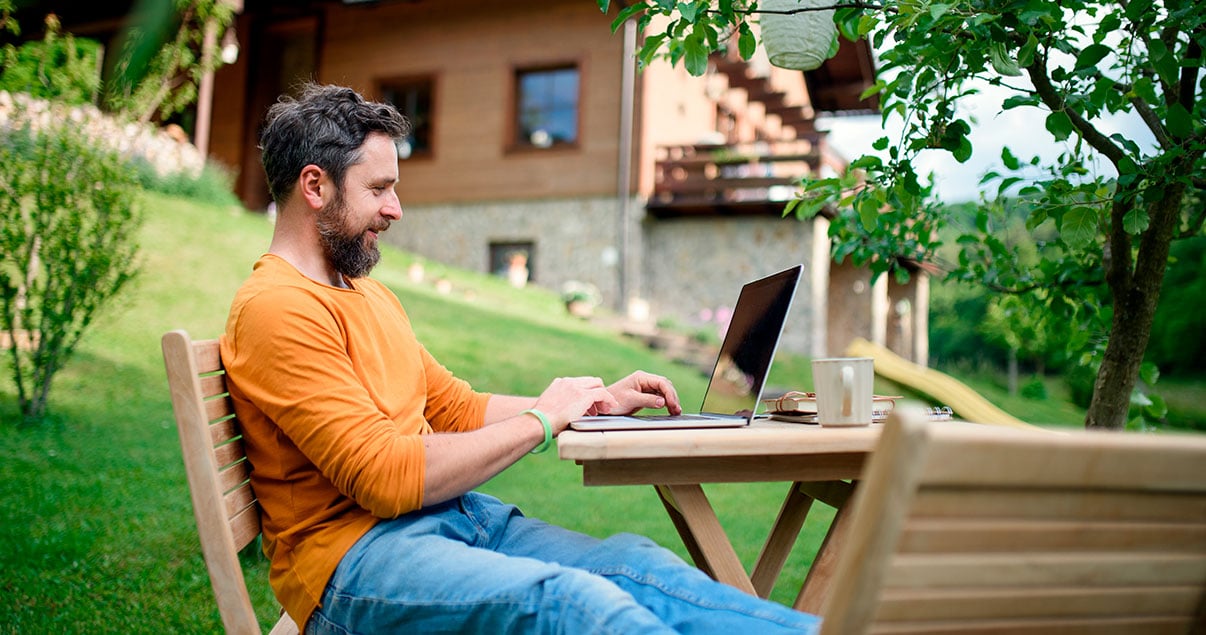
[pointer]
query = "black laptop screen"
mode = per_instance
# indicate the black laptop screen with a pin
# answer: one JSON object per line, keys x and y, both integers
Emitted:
{"x": 749, "y": 344}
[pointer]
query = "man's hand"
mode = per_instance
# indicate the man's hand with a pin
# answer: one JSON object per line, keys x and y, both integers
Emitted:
{"x": 568, "y": 398}
{"x": 641, "y": 390}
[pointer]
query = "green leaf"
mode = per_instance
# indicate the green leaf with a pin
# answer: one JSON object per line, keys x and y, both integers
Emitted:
{"x": 1158, "y": 408}
{"x": 696, "y": 56}
{"x": 1019, "y": 100}
{"x": 1149, "y": 373}
{"x": 747, "y": 44}
{"x": 626, "y": 13}
{"x": 1163, "y": 61}
{"x": 1002, "y": 63}
{"x": 1059, "y": 125}
{"x": 1179, "y": 122}
{"x": 866, "y": 24}
{"x": 1026, "y": 53}
{"x": 1011, "y": 162}
{"x": 1137, "y": 10}
{"x": 1091, "y": 55}
{"x": 1078, "y": 227}
{"x": 688, "y": 10}
{"x": 1135, "y": 222}
{"x": 868, "y": 212}
{"x": 880, "y": 143}
{"x": 603, "y": 4}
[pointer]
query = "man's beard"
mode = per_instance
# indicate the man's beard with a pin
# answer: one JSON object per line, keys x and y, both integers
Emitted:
{"x": 347, "y": 252}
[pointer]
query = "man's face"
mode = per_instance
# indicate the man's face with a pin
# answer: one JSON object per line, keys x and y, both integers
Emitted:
{"x": 362, "y": 207}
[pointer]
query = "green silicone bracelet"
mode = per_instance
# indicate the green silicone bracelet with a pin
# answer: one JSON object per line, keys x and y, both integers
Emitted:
{"x": 548, "y": 430}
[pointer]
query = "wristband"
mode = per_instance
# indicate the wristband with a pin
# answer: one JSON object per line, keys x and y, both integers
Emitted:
{"x": 548, "y": 430}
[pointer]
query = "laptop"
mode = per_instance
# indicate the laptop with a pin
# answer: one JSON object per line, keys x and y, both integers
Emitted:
{"x": 741, "y": 367}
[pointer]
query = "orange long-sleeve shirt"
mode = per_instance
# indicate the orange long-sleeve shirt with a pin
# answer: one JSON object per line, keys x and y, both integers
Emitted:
{"x": 333, "y": 391}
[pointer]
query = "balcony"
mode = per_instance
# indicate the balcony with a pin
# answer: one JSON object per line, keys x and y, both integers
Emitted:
{"x": 727, "y": 180}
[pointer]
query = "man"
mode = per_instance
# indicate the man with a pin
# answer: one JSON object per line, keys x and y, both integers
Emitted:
{"x": 365, "y": 450}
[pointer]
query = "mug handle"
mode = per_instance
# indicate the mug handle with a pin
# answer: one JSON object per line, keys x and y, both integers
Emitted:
{"x": 847, "y": 390}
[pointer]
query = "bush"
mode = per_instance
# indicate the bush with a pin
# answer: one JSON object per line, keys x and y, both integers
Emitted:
{"x": 1034, "y": 389}
{"x": 214, "y": 184}
{"x": 1080, "y": 380}
{"x": 68, "y": 229}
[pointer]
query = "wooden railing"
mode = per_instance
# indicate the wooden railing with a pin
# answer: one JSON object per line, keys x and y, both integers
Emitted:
{"x": 725, "y": 178}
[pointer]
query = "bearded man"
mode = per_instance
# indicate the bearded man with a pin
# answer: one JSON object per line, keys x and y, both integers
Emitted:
{"x": 365, "y": 450}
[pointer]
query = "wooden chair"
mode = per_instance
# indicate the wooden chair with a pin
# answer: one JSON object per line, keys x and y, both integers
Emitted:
{"x": 228, "y": 516}
{"x": 981, "y": 529}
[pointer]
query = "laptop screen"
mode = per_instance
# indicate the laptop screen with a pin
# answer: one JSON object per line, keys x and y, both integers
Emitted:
{"x": 749, "y": 344}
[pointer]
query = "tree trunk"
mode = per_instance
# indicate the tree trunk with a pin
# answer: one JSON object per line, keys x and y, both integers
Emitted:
{"x": 1013, "y": 371}
{"x": 1136, "y": 295}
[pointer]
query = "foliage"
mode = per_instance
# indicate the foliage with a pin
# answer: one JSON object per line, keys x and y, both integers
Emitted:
{"x": 214, "y": 185}
{"x": 1179, "y": 328}
{"x": 1114, "y": 206}
{"x": 68, "y": 230}
{"x": 162, "y": 59}
{"x": 159, "y": 63}
{"x": 60, "y": 67}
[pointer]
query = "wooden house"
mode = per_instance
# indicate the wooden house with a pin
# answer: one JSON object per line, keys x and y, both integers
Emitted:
{"x": 537, "y": 138}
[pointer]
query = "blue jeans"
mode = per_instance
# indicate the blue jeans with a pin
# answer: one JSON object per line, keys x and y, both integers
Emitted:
{"x": 477, "y": 565}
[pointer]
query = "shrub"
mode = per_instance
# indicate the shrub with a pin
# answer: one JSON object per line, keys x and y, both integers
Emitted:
{"x": 68, "y": 230}
{"x": 1034, "y": 389}
{"x": 214, "y": 184}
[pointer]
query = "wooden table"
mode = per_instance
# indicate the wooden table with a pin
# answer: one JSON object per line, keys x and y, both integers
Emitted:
{"x": 820, "y": 463}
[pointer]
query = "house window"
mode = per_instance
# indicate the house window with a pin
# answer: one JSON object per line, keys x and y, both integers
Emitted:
{"x": 512, "y": 261}
{"x": 413, "y": 98}
{"x": 546, "y": 107}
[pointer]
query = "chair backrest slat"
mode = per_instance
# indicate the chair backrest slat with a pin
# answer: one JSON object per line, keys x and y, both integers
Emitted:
{"x": 227, "y": 514}
{"x": 959, "y": 528}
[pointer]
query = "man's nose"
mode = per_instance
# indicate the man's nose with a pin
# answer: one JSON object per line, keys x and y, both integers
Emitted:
{"x": 393, "y": 208}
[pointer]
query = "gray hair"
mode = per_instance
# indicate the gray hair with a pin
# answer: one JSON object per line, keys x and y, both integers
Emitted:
{"x": 324, "y": 126}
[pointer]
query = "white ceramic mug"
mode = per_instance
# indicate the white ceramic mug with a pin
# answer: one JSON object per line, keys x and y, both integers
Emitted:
{"x": 843, "y": 386}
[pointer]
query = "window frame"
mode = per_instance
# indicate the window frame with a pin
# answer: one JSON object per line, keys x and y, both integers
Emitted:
{"x": 516, "y": 142}
{"x": 431, "y": 82}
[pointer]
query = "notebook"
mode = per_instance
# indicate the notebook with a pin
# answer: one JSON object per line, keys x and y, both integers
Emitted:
{"x": 739, "y": 374}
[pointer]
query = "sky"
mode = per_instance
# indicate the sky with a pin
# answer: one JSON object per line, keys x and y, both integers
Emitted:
{"x": 1022, "y": 129}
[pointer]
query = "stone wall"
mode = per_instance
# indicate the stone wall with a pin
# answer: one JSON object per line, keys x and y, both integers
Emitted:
{"x": 694, "y": 270}
{"x": 687, "y": 270}
{"x": 572, "y": 239}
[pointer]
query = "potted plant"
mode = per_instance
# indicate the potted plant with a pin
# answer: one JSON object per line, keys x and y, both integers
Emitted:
{"x": 580, "y": 298}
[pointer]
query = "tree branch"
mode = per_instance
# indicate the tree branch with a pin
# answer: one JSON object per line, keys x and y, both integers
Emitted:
{"x": 837, "y": 5}
{"x": 1143, "y": 109}
{"x": 1052, "y": 99}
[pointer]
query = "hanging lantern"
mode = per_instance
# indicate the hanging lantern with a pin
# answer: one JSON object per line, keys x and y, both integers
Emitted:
{"x": 799, "y": 41}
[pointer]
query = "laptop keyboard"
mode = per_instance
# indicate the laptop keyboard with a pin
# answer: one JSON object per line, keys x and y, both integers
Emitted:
{"x": 682, "y": 417}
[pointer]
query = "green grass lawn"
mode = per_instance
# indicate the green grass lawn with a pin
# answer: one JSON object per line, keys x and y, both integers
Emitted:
{"x": 96, "y": 528}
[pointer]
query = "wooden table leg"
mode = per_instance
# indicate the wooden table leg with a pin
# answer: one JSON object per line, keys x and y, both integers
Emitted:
{"x": 703, "y": 536}
{"x": 816, "y": 586}
{"x": 782, "y": 538}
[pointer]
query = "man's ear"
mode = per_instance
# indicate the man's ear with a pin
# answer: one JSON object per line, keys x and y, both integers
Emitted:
{"x": 314, "y": 186}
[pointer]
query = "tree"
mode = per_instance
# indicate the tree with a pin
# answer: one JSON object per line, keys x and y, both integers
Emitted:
{"x": 68, "y": 240}
{"x": 1115, "y": 206}
{"x": 157, "y": 67}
